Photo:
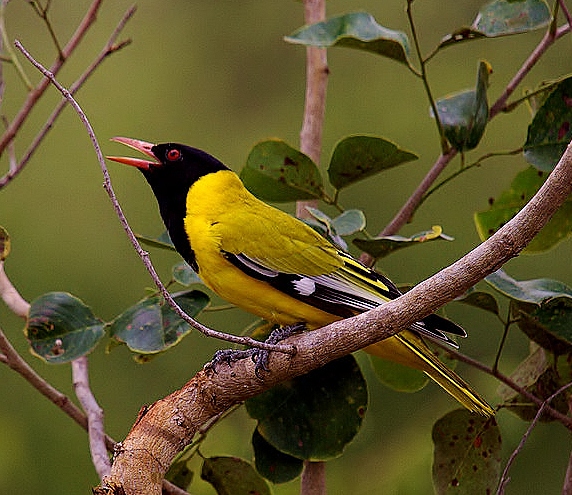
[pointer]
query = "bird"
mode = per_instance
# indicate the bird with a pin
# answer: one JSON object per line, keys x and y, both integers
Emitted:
{"x": 275, "y": 266}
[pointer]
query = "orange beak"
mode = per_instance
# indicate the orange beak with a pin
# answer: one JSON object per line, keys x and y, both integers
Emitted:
{"x": 136, "y": 144}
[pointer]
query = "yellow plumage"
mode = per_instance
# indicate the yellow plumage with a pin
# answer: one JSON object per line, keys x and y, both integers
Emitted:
{"x": 273, "y": 265}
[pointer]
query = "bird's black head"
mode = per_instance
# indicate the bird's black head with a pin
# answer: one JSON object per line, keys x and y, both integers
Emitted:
{"x": 171, "y": 169}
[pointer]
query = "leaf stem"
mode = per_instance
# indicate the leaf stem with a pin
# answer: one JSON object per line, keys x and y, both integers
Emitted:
{"x": 444, "y": 143}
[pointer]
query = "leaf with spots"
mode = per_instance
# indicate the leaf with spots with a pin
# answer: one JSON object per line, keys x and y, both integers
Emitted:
{"x": 357, "y": 30}
{"x": 537, "y": 375}
{"x": 551, "y": 129}
{"x": 61, "y": 328}
{"x": 275, "y": 171}
{"x": 274, "y": 465}
{"x": 358, "y": 157}
{"x": 502, "y": 18}
{"x": 480, "y": 299}
{"x": 152, "y": 326}
{"x": 233, "y": 476}
{"x": 4, "y": 243}
{"x": 313, "y": 417}
{"x": 380, "y": 247}
{"x": 510, "y": 202}
{"x": 466, "y": 457}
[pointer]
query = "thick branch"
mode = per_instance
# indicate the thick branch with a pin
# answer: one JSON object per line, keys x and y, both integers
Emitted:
{"x": 315, "y": 101}
{"x": 171, "y": 423}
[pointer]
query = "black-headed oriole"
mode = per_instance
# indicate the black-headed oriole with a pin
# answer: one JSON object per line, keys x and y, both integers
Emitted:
{"x": 272, "y": 264}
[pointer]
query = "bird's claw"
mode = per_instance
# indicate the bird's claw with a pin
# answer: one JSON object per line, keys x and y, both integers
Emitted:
{"x": 260, "y": 357}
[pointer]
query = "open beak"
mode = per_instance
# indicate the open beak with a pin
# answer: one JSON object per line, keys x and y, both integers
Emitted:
{"x": 138, "y": 145}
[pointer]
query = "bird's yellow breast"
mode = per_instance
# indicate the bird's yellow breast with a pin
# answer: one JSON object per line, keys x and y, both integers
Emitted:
{"x": 223, "y": 216}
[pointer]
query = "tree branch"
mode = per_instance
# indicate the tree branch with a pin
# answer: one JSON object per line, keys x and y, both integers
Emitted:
{"x": 315, "y": 101}
{"x": 35, "y": 94}
{"x": 172, "y": 422}
{"x": 109, "y": 48}
{"x": 94, "y": 413}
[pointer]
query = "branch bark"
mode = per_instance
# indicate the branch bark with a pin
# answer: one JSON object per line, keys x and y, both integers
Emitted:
{"x": 171, "y": 423}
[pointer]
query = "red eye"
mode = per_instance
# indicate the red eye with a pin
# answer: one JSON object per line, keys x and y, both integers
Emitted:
{"x": 173, "y": 155}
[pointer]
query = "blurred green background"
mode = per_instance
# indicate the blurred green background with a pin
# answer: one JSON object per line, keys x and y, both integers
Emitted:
{"x": 217, "y": 75}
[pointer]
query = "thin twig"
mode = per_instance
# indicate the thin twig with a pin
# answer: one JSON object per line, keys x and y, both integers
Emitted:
{"x": 142, "y": 253}
{"x": 505, "y": 478}
{"x": 94, "y": 413}
{"x": 557, "y": 415}
{"x": 35, "y": 94}
{"x": 109, "y": 48}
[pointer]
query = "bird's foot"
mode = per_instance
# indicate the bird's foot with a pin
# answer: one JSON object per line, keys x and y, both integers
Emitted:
{"x": 260, "y": 357}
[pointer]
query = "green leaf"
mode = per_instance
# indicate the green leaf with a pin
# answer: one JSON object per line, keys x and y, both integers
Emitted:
{"x": 313, "y": 417}
{"x": 274, "y": 465}
{"x": 464, "y": 115}
{"x": 152, "y": 326}
{"x": 4, "y": 243}
{"x": 61, "y": 328}
{"x": 536, "y": 291}
{"x": 542, "y": 307}
{"x": 504, "y": 17}
{"x": 185, "y": 275}
{"x": 380, "y": 247}
{"x": 349, "y": 222}
{"x": 359, "y": 157}
{"x": 510, "y": 202}
{"x": 550, "y": 130}
{"x": 275, "y": 171}
{"x": 180, "y": 472}
{"x": 162, "y": 242}
{"x": 354, "y": 30}
{"x": 233, "y": 476}
{"x": 536, "y": 376}
{"x": 397, "y": 376}
{"x": 549, "y": 325}
{"x": 480, "y": 299}
{"x": 467, "y": 455}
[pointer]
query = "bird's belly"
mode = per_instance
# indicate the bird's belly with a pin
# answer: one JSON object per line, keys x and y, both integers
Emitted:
{"x": 257, "y": 297}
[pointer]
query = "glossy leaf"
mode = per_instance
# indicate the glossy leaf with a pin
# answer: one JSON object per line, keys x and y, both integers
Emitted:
{"x": 4, "y": 243}
{"x": 535, "y": 291}
{"x": 313, "y": 417}
{"x": 504, "y": 17}
{"x": 185, "y": 275}
{"x": 551, "y": 129}
{"x": 61, "y": 328}
{"x": 233, "y": 476}
{"x": 510, "y": 202}
{"x": 349, "y": 222}
{"x": 480, "y": 299}
{"x": 467, "y": 454}
{"x": 152, "y": 326}
{"x": 397, "y": 376}
{"x": 275, "y": 171}
{"x": 354, "y": 30}
{"x": 549, "y": 325}
{"x": 180, "y": 472}
{"x": 464, "y": 115}
{"x": 274, "y": 465}
{"x": 358, "y": 157}
{"x": 385, "y": 245}
{"x": 536, "y": 375}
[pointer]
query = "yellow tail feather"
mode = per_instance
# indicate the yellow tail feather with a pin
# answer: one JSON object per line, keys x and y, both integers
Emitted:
{"x": 415, "y": 353}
